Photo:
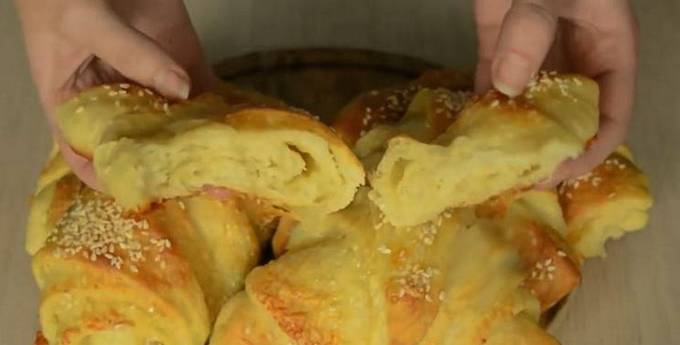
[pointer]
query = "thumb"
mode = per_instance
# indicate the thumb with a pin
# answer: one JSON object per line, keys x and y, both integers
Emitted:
{"x": 526, "y": 35}
{"x": 130, "y": 52}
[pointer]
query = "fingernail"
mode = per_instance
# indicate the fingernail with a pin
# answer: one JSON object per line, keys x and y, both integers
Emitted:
{"x": 511, "y": 73}
{"x": 172, "y": 84}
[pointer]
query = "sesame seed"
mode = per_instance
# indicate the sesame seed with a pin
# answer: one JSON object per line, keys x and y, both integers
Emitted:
{"x": 124, "y": 85}
{"x": 561, "y": 254}
{"x": 415, "y": 281}
{"x": 495, "y": 103}
{"x": 382, "y": 249}
{"x": 112, "y": 93}
{"x": 107, "y": 87}
{"x": 95, "y": 227}
{"x": 80, "y": 109}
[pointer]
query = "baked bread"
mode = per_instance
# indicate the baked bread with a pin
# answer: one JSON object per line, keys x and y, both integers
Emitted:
{"x": 495, "y": 144}
{"x": 611, "y": 200}
{"x": 480, "y": 270}
{"x": 386, "y": 106}
{"x": 145, "y": 150}
{"x": 113, "y": 277}
{"x": 351, "y": 278}
{"x": 532, "y": 221}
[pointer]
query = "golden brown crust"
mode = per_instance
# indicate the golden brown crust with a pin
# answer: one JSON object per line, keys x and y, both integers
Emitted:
{"x": 390, "y": 104}
{"x": 617, "y": 174}
{"x": 553, "y": 273}
{"x": 479, "y": 273}
{"x": 171, "y": 259}
{"x": 605, "y": 203}
{"x": 40, "y": 339}
{"x": 552, "y": 270}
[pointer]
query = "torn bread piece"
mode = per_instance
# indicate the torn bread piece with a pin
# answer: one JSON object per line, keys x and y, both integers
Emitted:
{"x": 495, "y": 144}
{"x": 144, "y": 153}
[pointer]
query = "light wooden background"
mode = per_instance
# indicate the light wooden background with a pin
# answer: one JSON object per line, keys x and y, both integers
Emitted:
{"x": 629, "y": 298}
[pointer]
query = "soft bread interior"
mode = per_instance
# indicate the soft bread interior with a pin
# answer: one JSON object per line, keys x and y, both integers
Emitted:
{"x": 494, "y": 145}
{"x": 145, "y": 150}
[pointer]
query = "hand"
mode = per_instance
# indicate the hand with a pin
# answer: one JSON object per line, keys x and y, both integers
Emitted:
{"x": 73, "y": 45}
{"x": 597, "y": 38}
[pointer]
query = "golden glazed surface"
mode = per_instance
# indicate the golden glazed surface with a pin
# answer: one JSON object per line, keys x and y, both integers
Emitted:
{"x": 448, "y": 244}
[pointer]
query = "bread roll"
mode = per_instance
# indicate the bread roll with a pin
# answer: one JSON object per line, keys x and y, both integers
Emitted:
{"x": 531, "y": 222}
{"x": 605, "y": 203}
{"x": 145, "y": 150}
{"x": 386, "y": 106}
{"x": 107, "y": 278}
{"x": 351, "y": 278}
{"x": 494, "y": 145}
{"x": 113, "y": 277}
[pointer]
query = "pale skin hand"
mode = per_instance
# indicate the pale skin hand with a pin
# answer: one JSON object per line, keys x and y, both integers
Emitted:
{"x": 76, "y": 44}
{"x": 597, "y": 38}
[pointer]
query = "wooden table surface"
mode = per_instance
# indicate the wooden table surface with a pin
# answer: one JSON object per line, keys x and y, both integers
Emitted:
{"x": 628, "y": 298}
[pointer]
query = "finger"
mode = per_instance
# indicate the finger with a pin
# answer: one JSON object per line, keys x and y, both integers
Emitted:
{"x": 81, "y": 166}
{"x": 525, "y": 38}
{"x": 616, "y": 97}
{"x": 129, "y": 51}
{"x": 488, "y": 18}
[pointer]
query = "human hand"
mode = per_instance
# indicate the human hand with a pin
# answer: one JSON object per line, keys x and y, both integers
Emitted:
{"x": 597, "y": 38}
{"x": 73, "y": 45}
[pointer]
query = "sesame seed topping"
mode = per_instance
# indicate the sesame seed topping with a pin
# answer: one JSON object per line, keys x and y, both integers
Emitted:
{"x": 428, "y": 231}
{"x": 543, "y": 270}
{"x": 416, "y": 281}
{"x": 382, "y": 249}
{"x": 80, "y": 109}
{"x": 124, "y": 86}
{"x": 95, "y": 227}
